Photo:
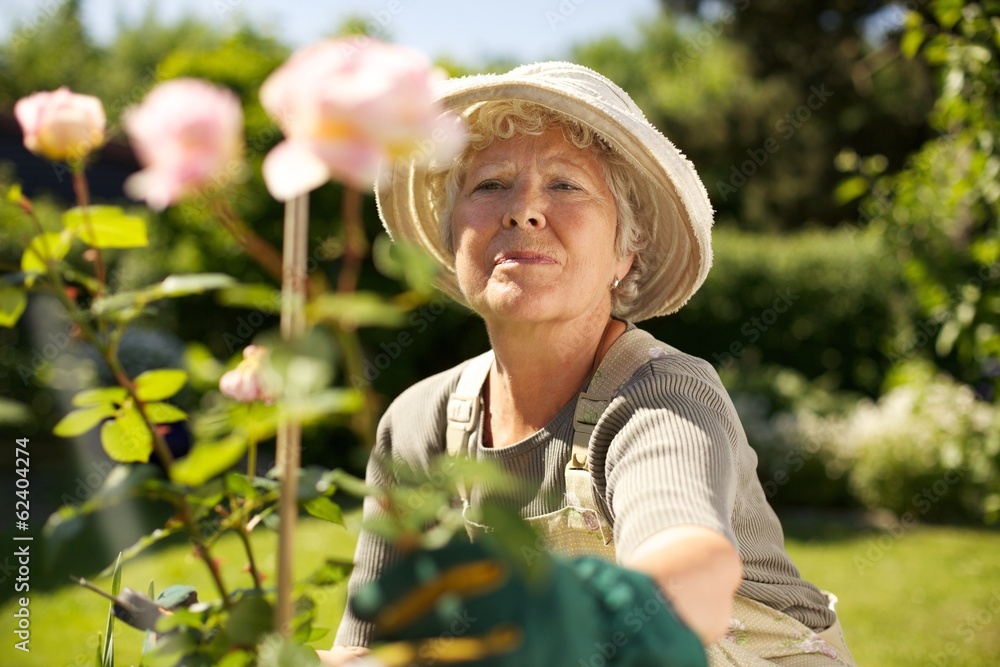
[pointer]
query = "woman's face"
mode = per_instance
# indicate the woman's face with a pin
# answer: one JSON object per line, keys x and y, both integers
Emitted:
{"x": 534, "y": 231}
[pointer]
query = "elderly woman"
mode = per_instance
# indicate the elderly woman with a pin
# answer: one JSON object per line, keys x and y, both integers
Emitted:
{"x": 568, "y": 218}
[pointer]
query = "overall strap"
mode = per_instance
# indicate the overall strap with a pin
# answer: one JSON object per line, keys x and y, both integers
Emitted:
{"x": 463, "y": 408}
{"x": 626, "y": 355}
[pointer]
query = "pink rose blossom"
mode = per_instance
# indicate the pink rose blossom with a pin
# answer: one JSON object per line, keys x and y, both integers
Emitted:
{"x": 247, "y": 382}
{"x": 61, "y": 125}
{"x": 187, "y": 134}
{"x": 347, "y": 104}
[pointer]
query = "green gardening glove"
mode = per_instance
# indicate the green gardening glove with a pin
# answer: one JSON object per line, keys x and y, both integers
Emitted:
{"x": 476, "y": 604}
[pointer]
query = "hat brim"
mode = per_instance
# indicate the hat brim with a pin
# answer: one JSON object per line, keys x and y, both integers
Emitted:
{"x": 679, "y": 254}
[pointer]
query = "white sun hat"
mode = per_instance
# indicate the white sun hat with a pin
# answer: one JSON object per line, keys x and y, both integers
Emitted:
{"x": 679, "y": 254}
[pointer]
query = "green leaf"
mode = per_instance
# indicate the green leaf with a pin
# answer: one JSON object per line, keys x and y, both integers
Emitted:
{"x": 264, "y": 298}
{"x": 164, "y": 413}
{"x": 948, "y": 13}
{"x": 100, "y": 395}
{"x": 317, "y": 633}
{"x": 236, "y": 658}
{"x": 141, "y": 545}
{"x": 13, "y": 301}
{"x": 405, "y": 262}
{"x": 278, "y": 651}
{"x": 80, "y": 421}
{"x": 108, "y": 659}
{"x": 43, "y": 249}
{"x": 322, "y": 405}
{"x": 850, "y": 189}
{"x": 330, "y": 573}
{"x": 126, "y": 438}
{"x": 324, "y": 508}
{"x": 208, "y": 460}
{"x": 313, "y": 482}
{"x": 14, "y": 193}
{"x": 359, "y": 309}
{"x": 159, "y": 384}
{"x": 13, "y": 413}
{"x": 249, "y": 619}
{"x": 106, "y": 227}
{"x": 195, "y": 283}
{"x": 172, "y": 286}
{"x": 347, "y": 483}
{"x": 241, "y": 486}
{"x": 947, "y": 336}
{"x": 911, "y": 41}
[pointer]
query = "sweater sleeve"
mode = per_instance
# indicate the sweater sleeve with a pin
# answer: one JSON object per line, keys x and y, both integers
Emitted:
{"x": 669, "y": 461}
{"x": 373, "y": 553}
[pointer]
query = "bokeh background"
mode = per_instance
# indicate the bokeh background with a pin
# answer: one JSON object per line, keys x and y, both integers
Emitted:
{"x": 850, "y": 150}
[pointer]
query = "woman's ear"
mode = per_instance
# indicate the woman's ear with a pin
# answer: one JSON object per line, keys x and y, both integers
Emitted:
{"x": 624, "y": 265}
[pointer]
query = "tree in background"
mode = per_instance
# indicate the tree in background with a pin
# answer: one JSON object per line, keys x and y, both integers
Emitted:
{"x": 940, "y": 212}
{"x": 763, "y": 95}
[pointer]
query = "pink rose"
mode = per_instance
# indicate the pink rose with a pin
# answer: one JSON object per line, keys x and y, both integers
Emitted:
{"x": 61, "y": 125}
{"x": 347, "y": 104}
{"x": 187, "y": 134}
{"x": 248, "y": 382}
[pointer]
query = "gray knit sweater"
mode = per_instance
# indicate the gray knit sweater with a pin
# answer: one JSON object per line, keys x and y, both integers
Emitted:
{"x": 669, "y": 451}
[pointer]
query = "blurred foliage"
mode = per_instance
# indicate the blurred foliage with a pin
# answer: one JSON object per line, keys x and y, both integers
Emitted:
{"x": 928, "y": 449}
{"x": 54, "y": 51}
{"x": 940, "y": 214}
{"x": 822, "y": 303}
{"x": 763, "y": 95}
{"x": 835, "y": 307}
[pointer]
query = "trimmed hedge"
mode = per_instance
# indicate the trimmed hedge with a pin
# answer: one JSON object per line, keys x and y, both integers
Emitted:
{"x": 822, "y": 303}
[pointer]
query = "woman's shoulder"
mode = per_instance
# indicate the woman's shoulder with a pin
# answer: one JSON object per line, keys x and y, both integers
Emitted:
{"x": 675, "y": 380}
{"x": 668, "y": 365}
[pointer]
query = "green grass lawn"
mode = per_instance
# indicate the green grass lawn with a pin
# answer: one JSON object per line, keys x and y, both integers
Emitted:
{"x": 65, "y": 624}
{"x": 924, "y": 596}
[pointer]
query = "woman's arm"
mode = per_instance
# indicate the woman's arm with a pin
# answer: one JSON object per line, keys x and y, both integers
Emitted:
{"x": 699, "y": 571}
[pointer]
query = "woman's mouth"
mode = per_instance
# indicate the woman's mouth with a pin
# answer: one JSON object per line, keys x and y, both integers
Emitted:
{"x": 522, "y": 257}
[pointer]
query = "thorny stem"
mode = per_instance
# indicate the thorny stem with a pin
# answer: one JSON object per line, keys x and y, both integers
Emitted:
{"x": 252, "y": 458}
{"x": 108, "y": 353}
{"x": 355, "y": 243}
{"x": 83, "y": 201}
{"x": 159, "y": 445}
{"x": 244, "y": 534}
{"x": 260, "y": 250}
{"x": 355, "y": 247}
{"x": 354, "y": 366}
{"x": 202, "y": 551}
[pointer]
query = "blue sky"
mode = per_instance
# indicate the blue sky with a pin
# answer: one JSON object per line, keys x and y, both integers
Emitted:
{"x": 472, "y": 32}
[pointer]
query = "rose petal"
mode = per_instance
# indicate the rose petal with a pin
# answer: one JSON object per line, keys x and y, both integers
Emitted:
{"x": 292, "y": 169}
{"x": 189, "y": 135}
{"x": 61, "y": 125}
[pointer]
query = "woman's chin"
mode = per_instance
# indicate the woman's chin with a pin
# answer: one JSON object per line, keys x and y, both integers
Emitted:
{"x": 526, "y": 306}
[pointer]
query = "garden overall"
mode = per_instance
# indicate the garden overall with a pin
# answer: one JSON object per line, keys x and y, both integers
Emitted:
{"x": 758, "y": 636}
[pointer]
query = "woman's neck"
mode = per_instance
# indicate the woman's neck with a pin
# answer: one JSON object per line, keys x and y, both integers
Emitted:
{"x": 538, "y": 369}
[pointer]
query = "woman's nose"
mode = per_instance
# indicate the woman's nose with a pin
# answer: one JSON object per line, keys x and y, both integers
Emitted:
{"x": 526, "y": 210}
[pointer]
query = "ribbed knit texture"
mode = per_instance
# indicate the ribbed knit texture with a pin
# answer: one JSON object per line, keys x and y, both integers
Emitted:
{"x": 669, "y": 451}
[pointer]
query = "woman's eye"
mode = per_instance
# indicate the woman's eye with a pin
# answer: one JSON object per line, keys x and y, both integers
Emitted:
{"x": 563, "y": 185}
{"x": 489, "y": 185}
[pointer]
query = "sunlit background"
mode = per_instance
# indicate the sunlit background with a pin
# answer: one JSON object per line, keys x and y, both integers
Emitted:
{"x": 850, "y": 152}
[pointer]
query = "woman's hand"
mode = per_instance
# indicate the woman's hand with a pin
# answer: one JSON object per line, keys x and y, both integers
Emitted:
{"x": 485, "y": 604}
{"x": 340, "y": 655}
{"x": 699, "y": 570}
